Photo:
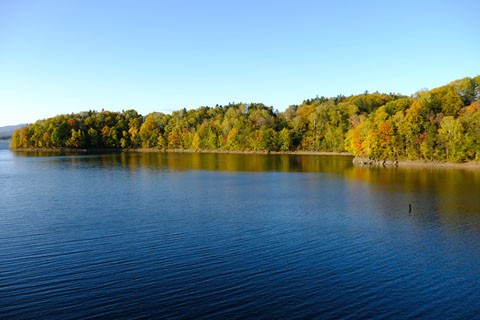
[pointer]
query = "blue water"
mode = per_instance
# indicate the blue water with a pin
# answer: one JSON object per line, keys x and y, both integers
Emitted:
{"x": 234, "y": 236}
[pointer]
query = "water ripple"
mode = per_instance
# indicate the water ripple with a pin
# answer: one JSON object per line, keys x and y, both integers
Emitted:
{"x": 146, "y": 242}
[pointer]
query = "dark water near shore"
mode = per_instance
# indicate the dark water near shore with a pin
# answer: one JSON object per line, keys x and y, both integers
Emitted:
{"x": 235, "y": 236}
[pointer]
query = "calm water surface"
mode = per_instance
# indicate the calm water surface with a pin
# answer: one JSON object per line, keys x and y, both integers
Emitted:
{"x": 234, "y": 236}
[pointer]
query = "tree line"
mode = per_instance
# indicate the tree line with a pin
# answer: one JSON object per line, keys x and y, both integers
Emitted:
{"x": 438, "y": 124}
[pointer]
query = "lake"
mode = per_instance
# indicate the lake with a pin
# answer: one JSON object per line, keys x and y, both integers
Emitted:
{"x": 179, "y": 235}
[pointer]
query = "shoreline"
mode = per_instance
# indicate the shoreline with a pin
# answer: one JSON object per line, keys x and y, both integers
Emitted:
{"x": 406, "y": 163}
{"x": 155, "y": 150}
{"x": 473, "y": 164}
{"x": 312, "y": 153}
{"x": 402, "y": 163}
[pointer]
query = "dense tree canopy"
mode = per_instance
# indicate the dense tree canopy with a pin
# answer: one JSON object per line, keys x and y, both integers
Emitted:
{"x": 440, "y": 124}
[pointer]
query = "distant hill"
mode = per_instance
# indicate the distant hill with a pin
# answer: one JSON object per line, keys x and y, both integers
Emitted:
{"x": 7, "y": 131}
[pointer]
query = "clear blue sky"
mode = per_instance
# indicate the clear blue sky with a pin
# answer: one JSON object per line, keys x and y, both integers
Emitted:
{"x": 68, "y": 56}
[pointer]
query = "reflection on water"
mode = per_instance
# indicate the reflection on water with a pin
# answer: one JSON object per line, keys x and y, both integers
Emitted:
{"x": 211, "y": 161}
{"x": 439, "y": 193}
{"x": 449, "y": 193}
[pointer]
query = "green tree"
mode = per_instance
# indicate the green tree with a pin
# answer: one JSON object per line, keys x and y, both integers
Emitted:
{"x": 93, "y": 139}
{"x": 60, "y": 135}
{"x": 77, "y": 139}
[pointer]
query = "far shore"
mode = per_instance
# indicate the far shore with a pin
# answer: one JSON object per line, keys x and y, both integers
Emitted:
{"x": 152, "y": 150}
{"x": 399, "y": 163}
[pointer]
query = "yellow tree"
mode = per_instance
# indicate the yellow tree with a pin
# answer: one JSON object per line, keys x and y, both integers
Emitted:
{"x": 356, "y": 137}
{"x": 284, "y": 140}
{"x": 196, "y": 141}
{"x": 232, "y": 142}
{"x": 149, "y": 131}
{"x": 470, "y": 119}
{"x": 412, "y": 128}
{"x": 451, "y": 136}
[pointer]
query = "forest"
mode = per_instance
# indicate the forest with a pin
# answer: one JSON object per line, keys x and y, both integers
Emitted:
{"x": 438, "y": 124}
